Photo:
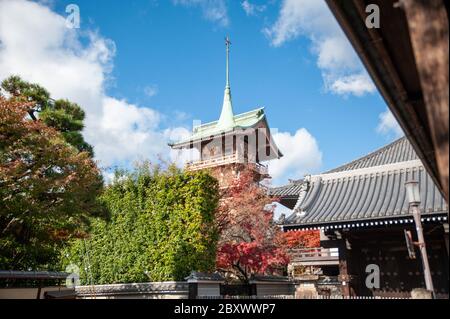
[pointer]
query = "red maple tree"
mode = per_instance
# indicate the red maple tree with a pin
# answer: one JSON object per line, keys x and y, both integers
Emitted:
{"x": 48, "y": 190}
{"x": 303, "y": 239}
{"x": 250, "y": 242}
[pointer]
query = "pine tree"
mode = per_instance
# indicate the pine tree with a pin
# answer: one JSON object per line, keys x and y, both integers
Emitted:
{"x": 63, "y": 115}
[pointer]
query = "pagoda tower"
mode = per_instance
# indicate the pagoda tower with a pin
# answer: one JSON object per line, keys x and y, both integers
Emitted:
{"x": 234, "y": 143}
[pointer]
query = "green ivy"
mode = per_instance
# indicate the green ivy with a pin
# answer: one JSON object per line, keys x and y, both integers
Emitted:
{"x": 161, "y": 228}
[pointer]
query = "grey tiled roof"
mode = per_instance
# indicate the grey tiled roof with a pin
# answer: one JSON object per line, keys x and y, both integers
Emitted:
{"x": 195, "y": 275}
{"x": 400, "y": 150}
{"x": 370, "y": 188}
{"x": 376, "y": 193}
{"x": 290, "y": 190}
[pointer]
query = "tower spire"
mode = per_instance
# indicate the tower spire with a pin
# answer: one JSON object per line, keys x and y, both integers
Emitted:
{"x": 228, "y": 44}
{"x": 226, "y": 120}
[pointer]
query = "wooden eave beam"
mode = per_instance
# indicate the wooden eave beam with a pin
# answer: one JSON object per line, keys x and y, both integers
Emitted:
{"x": 428, "y": 26}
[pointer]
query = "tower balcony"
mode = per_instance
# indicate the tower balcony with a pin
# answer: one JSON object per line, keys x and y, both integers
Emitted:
{"x": 227, "y": 160}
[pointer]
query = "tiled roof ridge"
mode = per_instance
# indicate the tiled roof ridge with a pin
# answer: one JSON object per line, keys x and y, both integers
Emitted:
{"x": 386, "y": 168}
{"x": 349, "y": 168}
{"x": 371, "y": 155}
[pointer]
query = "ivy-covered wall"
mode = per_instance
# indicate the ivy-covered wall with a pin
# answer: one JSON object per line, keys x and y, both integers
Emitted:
{"x": 161, "y": 228}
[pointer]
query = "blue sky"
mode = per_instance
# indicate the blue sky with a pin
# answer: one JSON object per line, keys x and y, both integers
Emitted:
{"x": 166, "y": 60}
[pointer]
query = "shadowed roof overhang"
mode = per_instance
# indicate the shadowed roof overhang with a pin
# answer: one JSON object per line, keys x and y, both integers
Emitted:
{"x": 388, "y": 55}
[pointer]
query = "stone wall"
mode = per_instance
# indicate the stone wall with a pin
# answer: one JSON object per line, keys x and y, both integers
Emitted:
{"x": 272, "y": 286}
{"x": 153, "y": 290}
{"x": 181, "y": 290}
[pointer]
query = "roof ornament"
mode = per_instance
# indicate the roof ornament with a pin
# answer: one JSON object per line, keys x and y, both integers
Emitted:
{"x": 226, "y": 120}
{"x": 304, "y": 188}
{"x": 281, "y": 219}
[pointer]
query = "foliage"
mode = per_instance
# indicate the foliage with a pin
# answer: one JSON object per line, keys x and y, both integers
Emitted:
{"x": 250, "y": 242}
{"x": 48, "y": 190}
{"x": 303, "y": 239}
{"x": 63, "y": 115}
{"x": 23, "y": 91}
{"x": 161, "y": 228}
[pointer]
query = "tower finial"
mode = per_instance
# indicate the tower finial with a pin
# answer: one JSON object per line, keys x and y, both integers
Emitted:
{"x": 226, "y": 119}
{"x": 228, "y": 44}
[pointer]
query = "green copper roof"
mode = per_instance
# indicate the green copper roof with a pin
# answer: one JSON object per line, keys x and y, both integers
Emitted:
{"x": 240, "y": 121}
{"x": 226, "y": 120}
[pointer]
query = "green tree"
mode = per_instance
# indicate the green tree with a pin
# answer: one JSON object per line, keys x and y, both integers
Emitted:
{"x": 48, "y": 190}
{"x": 161, "y": 228}
{"x": 63, "y": 115}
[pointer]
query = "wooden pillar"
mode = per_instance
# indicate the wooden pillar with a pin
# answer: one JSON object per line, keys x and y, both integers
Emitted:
{"x": 446, "y": 237}
{"x": 223, "y": 150}
{"x": 202, "y": 149}
{"x": 428, "y": 28}
{"x": 344, "y": 275}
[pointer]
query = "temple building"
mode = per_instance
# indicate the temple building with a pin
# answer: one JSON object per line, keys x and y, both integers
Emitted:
{"x": 363, "y": 214}
{"x": 233, "y": 143}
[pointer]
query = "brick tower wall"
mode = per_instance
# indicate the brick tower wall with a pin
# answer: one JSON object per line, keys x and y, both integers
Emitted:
{"x": 226, "y": 174}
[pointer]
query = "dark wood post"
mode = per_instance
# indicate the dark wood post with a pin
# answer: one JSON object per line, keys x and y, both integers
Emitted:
{"x": 193, "y": 290}
{"x": 344, "y": 275}
{"x": 253, "y": 289}
{"x": 446, "y": 237}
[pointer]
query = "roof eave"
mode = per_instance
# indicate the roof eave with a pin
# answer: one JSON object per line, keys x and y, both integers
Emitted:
{"x": 443, "y": 215}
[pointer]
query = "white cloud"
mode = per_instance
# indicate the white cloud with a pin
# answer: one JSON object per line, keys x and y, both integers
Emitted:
{"x": 77, "y": 66}
{"x": 280, "y": 210}
{"x": 127, "y": 132}
{"x": 301, "y": 156}
{"x": 181, "y": 157}
{"x": 356, "y": 84}
{"x": 213, "y": 10}
{"x": 252, "y": 9}
{"x": 181, "y": 116}
{"x": 389, "y": 126}
{"x": 341, "y": 69}
{"x": 151, "y": 90}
